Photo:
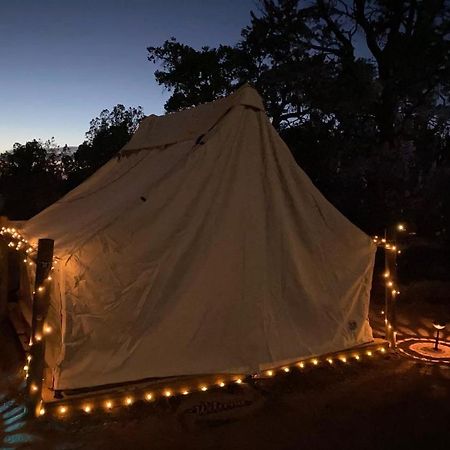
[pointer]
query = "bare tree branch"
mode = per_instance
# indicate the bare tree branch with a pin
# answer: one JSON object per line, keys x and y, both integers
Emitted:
{"x": 340, "y": 36}
{"x": 368, "y": 30}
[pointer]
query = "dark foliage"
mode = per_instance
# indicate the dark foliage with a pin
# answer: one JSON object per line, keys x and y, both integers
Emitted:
{"x": 107, "y": 134}
{"x": 36, "y": 174}
{"x": 359, "y": 91}
{"x": 30, "y": 178}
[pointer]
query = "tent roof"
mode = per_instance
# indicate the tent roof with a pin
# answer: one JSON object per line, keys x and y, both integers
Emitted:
{"x": 158, "y": 131}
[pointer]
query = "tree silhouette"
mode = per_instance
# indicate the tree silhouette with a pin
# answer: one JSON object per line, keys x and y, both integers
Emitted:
{"x": 358, "y": 89}
{"x": 36, "y": 174}
{"x": 107, "y": 134}
{"x": 31, "y": 178}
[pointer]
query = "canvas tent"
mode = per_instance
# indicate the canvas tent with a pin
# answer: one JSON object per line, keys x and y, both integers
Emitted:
{"x": 203, "y": 248}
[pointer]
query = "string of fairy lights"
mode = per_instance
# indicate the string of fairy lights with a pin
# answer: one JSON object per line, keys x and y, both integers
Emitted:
{"x": 108, "y": 404}
{"x": 390, "y": 282}
{"x": 28, "y": 252}
{"x": 20, "y": 244}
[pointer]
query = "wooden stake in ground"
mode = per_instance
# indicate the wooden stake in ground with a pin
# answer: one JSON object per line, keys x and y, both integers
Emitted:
{"x": 41, "y": 300}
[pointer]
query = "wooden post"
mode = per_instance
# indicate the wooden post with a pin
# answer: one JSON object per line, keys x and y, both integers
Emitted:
{"x": 390, "y": 293}
{"x": 41, "y": 300}
{"x": 392, "y": 262}
{"x": 387, "y": 306}
{"x": 4, "y": 288}
{"x": 3, "y": 278}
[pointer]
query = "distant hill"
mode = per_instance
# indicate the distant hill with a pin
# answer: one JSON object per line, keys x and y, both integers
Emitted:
{"x": 72, "y": 148}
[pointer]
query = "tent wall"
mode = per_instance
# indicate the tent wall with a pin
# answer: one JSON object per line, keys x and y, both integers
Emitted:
{"x": 210, "y": 257}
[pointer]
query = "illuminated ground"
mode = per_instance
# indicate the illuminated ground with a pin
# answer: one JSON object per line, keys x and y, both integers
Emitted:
{"x": 389, "y": 402}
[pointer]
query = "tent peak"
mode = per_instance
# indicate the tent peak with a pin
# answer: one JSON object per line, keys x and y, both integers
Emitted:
{"x": 159, "y": 131}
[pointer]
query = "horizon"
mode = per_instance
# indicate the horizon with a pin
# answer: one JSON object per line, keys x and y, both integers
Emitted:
{"x": 70, "y": 61}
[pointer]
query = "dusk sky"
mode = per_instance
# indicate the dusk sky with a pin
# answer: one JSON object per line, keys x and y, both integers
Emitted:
{"x": 62, "y": 61}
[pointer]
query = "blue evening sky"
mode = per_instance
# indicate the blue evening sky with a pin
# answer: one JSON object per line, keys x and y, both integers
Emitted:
{"x": 62, "y": 62}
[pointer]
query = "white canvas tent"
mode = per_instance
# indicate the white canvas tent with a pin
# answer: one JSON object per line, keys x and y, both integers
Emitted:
{"x": 203, "y": 248}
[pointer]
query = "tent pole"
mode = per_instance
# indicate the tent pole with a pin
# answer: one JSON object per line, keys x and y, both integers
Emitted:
{"x": 41, "y": 299}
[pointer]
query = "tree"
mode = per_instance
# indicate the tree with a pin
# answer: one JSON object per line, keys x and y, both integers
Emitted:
{"x": 107, "y": 134}
{"x": 357, "y": 89}
{"x": 36, "y": 174}
{"x": 194, "y": 76}
{"x": 31, "y": 178}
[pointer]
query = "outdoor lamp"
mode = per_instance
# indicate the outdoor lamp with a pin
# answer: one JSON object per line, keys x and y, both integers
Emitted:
{"x": 439, "y": 325}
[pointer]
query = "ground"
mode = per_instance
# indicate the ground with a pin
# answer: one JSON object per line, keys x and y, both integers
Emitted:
{"x": 384, "y": 402}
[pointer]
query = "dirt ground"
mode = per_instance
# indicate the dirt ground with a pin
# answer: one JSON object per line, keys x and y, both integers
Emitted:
{"x": 385, "y": 402}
